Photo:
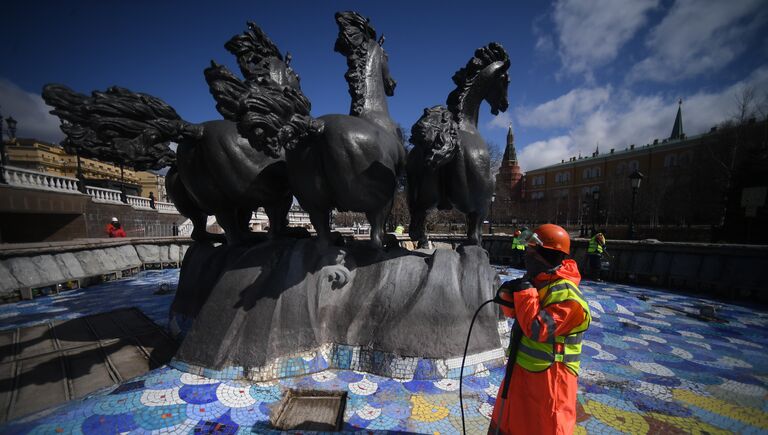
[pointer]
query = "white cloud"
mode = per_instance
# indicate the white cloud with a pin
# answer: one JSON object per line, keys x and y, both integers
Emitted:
{"x": 563, "y": 110}
{"x": 30, "y": 111}
{"x": 627, "y": 118}
{"x": 590, "y": 33}
{"x": 502, "y": 120}
{"x": 697, "y": 37}
{"x": 545, "y": 152}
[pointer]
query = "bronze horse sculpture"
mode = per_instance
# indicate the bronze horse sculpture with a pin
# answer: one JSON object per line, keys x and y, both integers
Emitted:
{"x": 449, "y": 165}
{"x": 347, "y": 162}
{"x": 216, "y": 171}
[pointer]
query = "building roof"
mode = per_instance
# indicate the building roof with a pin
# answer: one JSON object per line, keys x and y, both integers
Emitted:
{"x": 667, "y": 143}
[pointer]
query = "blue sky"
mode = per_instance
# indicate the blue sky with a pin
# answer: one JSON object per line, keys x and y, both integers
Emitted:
{"x": 583, "y": 73}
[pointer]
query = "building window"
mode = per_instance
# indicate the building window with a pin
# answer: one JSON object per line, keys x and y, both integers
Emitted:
{"x": 670, "y": 160}
{"x": 567, "y": 176}
{"x": 585, "y": 175}
{"x": 621, "y": 168}
{"x": 634, "y": 165}
{"x": 685, "y": 158}
{"x": 559, "y": 177}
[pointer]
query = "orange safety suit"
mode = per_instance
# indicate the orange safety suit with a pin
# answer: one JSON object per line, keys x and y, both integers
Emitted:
{"x": 115, "y": 232}
{"x": 543, "y": 402}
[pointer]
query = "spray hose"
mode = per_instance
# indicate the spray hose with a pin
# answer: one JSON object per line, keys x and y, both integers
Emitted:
{"x": 514, "y": 341}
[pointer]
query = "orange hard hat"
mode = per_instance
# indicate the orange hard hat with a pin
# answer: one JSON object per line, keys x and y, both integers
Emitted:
{"x": 551, "y": 236}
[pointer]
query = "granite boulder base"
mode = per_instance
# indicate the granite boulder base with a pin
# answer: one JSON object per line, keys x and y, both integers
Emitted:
{"x": 280, "y": 299}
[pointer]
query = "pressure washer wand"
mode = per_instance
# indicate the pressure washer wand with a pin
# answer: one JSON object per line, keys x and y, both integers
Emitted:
{"x": 514, "y": 344}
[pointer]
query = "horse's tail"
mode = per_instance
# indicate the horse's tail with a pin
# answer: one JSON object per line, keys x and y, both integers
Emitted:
{"x": 269, "y": 115}
{"x": 437, "y": 134}
{"x": 119, "y": 125}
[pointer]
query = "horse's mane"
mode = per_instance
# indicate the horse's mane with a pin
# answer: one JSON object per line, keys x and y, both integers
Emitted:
{"x": 437, "y": 134}
{"x": 355, "y": 34}
{"x": 465, "y": 77}
{"x": 117, "y": 125}
{"x": 273, "y": 117}
{"x": 253, "y": 50}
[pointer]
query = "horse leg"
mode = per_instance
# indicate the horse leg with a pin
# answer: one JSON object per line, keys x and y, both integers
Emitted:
{"x": 278, "y": 216}
{"x": 378, "y": 219}
{"x": 418, "y": 227}
{"x": 234, "y": 224}
{"x": 475, "y": 228}
{"x": 321, "y": 221}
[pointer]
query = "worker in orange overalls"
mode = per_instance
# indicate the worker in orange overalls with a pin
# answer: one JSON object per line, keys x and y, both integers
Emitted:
{"x": 553, "y": 315}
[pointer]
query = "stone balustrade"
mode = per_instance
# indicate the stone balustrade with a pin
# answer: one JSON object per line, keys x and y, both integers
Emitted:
{"x": 185, "y": 229}
{"x": 39, "y": 180}
{"x": 165, "y": 207}
{"x": 138, "y": 201}
{"x": 104, "y": 195}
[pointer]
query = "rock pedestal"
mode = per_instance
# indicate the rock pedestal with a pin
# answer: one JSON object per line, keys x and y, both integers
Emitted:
{"x": 394, "y": 312}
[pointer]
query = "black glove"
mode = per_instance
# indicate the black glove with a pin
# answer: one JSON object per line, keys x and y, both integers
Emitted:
{"x": 516, "y": 285}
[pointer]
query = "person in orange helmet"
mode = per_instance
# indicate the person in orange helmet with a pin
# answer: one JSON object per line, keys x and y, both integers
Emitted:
{"x": 551, "y": 316}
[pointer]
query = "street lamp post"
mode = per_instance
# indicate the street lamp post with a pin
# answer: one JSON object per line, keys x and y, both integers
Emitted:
{"x": 490, "y": 218}
{"x": 634, "y": 178}
{"x": 595, "y": 208}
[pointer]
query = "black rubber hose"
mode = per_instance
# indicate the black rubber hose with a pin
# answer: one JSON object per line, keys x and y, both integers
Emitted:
{"x": 463, "y": 360}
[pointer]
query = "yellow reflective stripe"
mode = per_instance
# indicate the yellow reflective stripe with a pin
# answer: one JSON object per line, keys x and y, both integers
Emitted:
{"x": 574, "y": 338}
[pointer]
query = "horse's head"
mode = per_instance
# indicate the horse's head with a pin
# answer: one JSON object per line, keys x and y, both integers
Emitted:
{"x": 355, "y": 32}
{"x": 494, "y": 75}
{"x": 483, "y": 78}
{"x": 259, "y": 58}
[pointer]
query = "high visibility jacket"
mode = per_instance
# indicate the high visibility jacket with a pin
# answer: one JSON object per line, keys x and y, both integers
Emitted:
{"x": 543, "y": 402}
{"x": 516, "y": 244}
{"x": 595, "y": 247}
{"x": 537, "y": 356}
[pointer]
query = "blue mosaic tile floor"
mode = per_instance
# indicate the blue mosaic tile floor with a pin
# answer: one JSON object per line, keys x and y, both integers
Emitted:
{"x": 647, "y": 368}
{"x": 137, "y": 292}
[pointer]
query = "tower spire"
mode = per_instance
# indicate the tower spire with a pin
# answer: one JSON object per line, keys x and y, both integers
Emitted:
{"x": 509, "y": 151}
{"x": 677, "y": 129}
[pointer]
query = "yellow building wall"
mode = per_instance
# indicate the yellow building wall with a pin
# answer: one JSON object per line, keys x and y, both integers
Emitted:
{"x": 52, "y": 159}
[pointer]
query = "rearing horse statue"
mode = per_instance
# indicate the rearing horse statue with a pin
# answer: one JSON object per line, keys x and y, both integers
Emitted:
{"x": 347, "y": 162}
{"x": 449, "y": 166}
{"x": 215, "y": 170}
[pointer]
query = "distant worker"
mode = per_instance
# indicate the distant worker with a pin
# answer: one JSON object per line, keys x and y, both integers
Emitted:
{"x": 595, "y": 252}
{"x": 399, "y": 230}
{"x": 151, "y": 199}
{"x": 551, "y": 317}
{"x": 518, "y": 249}
{"x": 114, "y": 229}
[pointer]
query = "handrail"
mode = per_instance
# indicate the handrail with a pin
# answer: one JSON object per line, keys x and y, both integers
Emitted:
{"x": 100, "y": 194}
{"x": 165, "y": 207}
{"x": 138, "y": 201}
{"x": 39, "y": 180}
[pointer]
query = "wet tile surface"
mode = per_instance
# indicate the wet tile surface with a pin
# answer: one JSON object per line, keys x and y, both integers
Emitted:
{"x": 647, "y": 368}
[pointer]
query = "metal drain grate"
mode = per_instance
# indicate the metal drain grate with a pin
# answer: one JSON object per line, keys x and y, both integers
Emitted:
{"x": 313, "y": 410}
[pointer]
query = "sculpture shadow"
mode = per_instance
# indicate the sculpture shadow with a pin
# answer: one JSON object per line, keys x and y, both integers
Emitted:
{"x": 125, "y": 343}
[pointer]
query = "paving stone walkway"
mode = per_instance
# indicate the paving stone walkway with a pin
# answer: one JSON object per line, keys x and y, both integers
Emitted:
{"x": 651, "y": 365}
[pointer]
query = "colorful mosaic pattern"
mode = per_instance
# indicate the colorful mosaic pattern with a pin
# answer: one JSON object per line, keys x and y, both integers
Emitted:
{"x": 137, "y": 292}
{"x": 647, "y": 368}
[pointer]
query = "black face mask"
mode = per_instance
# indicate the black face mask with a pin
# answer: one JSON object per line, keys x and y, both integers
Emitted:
{"x": 535, "y": 263}
{"x": 116, "y": 224}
